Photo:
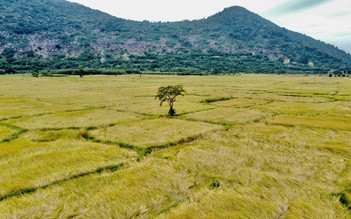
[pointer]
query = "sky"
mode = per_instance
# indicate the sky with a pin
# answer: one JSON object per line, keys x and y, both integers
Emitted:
{"x": 325, "y": 20}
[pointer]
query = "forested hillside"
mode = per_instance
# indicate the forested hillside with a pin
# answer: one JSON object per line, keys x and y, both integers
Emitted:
{"x": 56, "y": 34}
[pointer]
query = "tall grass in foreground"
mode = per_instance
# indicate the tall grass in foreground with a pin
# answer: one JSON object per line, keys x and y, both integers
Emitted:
{"x": 32, "y": 165}
{"x": 146, "y": 189}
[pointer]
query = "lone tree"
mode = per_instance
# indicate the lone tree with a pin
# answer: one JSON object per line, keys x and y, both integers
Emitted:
{"x": 81, "y": 71}
{"x": 169, "y": 94}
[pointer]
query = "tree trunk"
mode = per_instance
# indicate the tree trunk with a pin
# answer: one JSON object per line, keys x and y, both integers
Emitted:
{"x": 171, "y": 111}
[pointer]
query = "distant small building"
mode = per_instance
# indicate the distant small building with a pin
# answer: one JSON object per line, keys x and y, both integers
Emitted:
{"x": 286, "y": 61}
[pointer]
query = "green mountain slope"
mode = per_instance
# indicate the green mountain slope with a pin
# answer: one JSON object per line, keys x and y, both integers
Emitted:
{"x": 56, "y": 34}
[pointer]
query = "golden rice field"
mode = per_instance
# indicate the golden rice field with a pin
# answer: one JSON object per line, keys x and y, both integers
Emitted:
{"x": 248, "y": 146}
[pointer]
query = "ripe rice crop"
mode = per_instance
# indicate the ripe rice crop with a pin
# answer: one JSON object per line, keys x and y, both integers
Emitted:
{"x": 248, "y": 146}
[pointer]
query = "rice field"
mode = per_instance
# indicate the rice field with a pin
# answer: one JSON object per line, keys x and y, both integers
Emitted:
{"x": 248, "y": 146}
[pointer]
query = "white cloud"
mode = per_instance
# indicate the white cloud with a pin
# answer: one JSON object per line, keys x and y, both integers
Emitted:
{"x": 327, "y": 22}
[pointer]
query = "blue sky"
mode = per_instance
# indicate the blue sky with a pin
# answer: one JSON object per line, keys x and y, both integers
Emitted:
{"x": 326, "y": 20}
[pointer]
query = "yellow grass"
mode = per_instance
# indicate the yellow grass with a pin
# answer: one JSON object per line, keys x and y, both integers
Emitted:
{"x": 248, "y": 146}
{"x": 301, "y": 108}
{"x": 143, "y": 190}
{"x": 328, "y": 122}
{"x": 5, "y": 132}
{"x": 153, "y": 132}
{"x": 229, "y": 115}
{"x": 75, "y": 119}
{"x": 40, "y": 164}
{"x": 241, "y": 102}
{"x": 149, "y": 106}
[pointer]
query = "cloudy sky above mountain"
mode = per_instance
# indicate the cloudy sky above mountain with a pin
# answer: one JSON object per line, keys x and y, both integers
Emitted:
{"x": 326, "y": 20}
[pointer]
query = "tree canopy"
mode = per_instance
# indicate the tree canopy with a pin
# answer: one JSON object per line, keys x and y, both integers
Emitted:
{"x": 169, "y": 94}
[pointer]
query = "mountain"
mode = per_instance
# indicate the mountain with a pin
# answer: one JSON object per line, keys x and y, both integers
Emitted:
{"x": 56, "y": 34}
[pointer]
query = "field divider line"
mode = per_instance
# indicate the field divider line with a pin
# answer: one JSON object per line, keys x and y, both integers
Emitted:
{"x": 15, "y": 135}
{"x": 196, "y": 111}
{"x": 250, "y": 106}
{"x": 152, "y": 116}
{"x": 87, "y": 128}
{"x": 111, "y": 168}
{"x": 51, "y": 113}
{"x": 226, "y": 123}
{"x": 212, "y": 184}
{"x": 9, "y": 118}
{"x": 137, "y": 149}
{"x": 144, "y": 151}
{"x": 151, "y": 149}
{"x": 68, "y": 104}
{"x": 217, "y": 99}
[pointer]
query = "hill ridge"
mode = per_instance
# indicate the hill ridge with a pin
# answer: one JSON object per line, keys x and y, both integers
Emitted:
{"x": 48, "y": 34}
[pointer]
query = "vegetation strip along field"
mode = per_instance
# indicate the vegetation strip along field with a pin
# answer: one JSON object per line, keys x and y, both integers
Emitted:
{"x": 111, "y": 168}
